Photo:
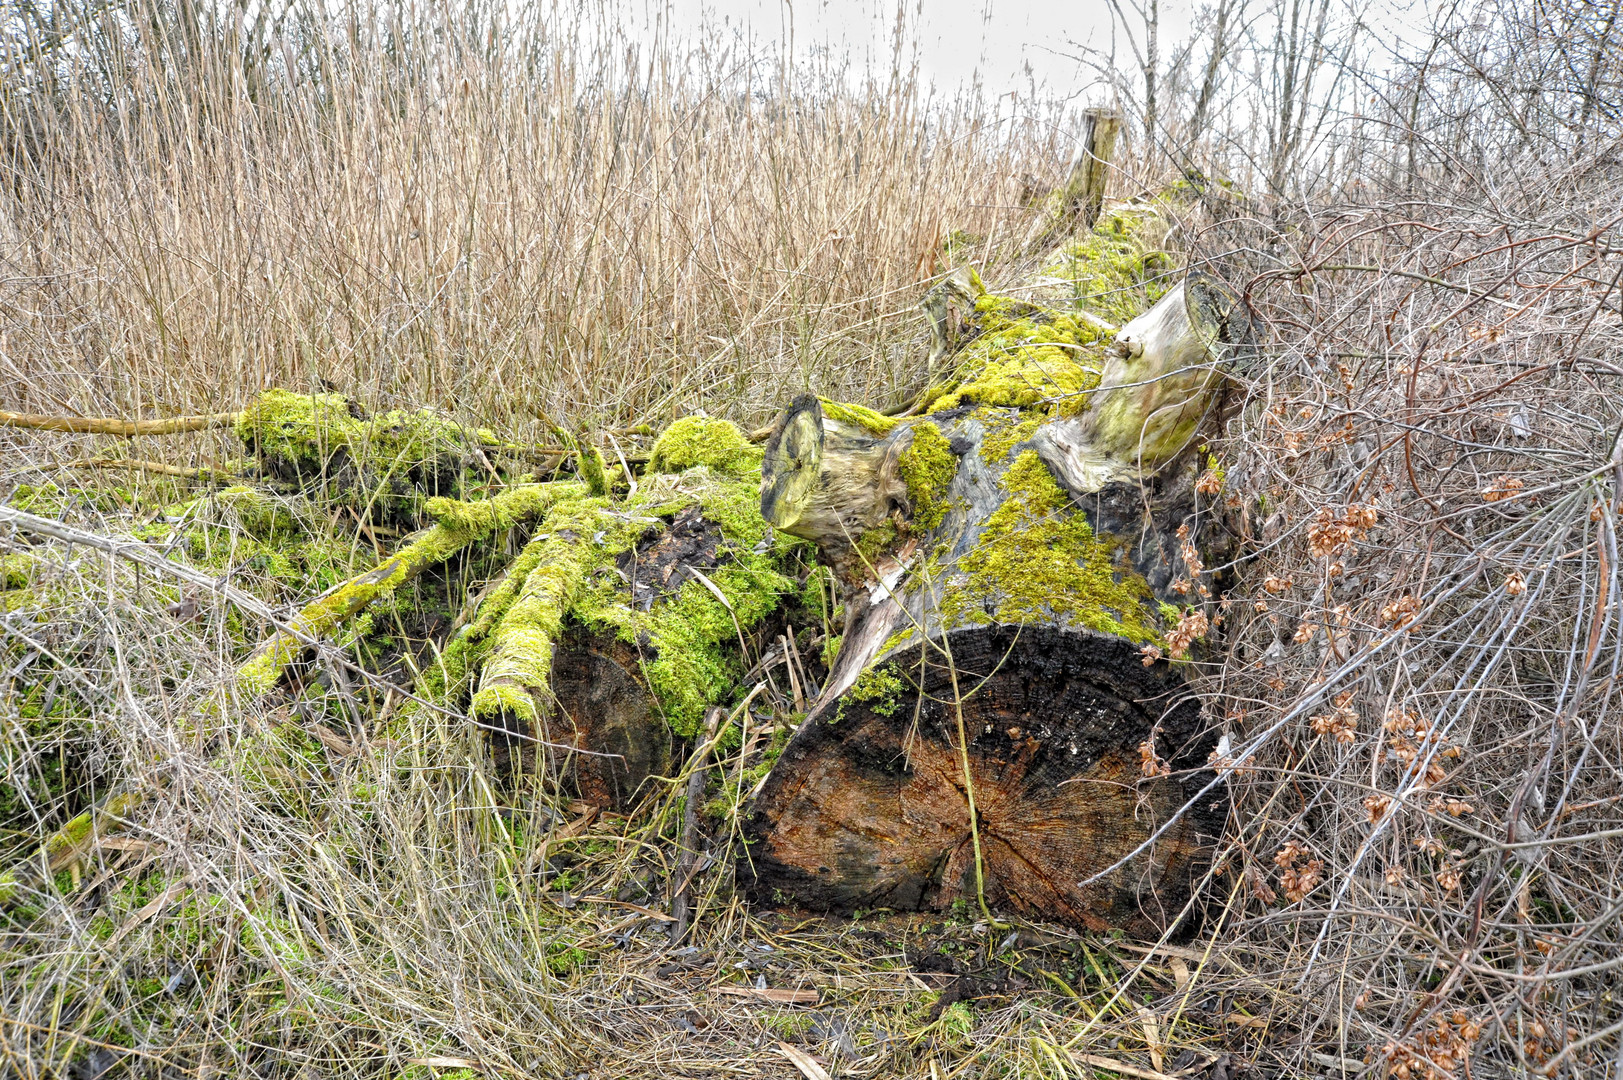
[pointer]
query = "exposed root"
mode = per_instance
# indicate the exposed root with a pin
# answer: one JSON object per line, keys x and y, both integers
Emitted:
{"x": 516, "y": 676}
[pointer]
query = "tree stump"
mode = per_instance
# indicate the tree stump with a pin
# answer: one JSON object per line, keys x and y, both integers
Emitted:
{"x": 1002, "y": 720}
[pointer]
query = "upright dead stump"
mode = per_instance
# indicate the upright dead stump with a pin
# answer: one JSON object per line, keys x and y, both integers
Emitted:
{"x": 1000, "y": 720}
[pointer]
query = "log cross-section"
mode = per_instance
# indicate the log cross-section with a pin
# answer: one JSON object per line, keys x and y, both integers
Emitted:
{"x": 869, "y": 807}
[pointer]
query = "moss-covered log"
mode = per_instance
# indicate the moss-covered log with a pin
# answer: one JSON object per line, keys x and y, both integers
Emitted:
{"x": 627, "y": 617}
{"x": 1024, "y": 563}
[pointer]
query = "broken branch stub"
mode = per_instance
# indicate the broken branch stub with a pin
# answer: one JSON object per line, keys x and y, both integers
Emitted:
{"x": 1017, "y": 561}
{"x": 1084, "y": 194}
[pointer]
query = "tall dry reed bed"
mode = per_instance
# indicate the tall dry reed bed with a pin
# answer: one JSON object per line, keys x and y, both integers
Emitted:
{"x": 512, "y": 218}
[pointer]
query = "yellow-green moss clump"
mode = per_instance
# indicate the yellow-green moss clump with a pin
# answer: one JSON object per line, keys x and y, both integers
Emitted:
{"x": 1025, "y": 356}
{"x": 687, "y": 639}
{"x": 520, "y": 662}
{"x": 1035, "y": 563}
{"x": 873, "y": 542}
{"x": 16, "y": 570}
{"x": 880, "y": 687}
{"x": 873, "y": 422}
{"x": 928, "y": 466}
{"x": 322, "y": 618}
{"x": 1117, "y": 269}
{"x": 307, "y": 430}
{"x": 75, "y": 836}
{"x": 699, "y": 440}
{"x": 1004, "y": 430}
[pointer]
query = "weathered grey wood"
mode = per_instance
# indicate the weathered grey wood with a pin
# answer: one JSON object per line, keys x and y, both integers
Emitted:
{"x": 1156, "y": 388}
{"x": 1084, "y": 193}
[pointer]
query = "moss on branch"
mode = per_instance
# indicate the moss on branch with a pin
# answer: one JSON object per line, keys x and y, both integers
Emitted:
{"x": 686, "y": 638}
{"x": 1038, "y": 561}
{"x": 462, "y": 525}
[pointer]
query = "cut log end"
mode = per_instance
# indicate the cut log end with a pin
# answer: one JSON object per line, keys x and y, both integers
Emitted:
{"x": 597, "y": 734}
{"x": 869, "y": 806}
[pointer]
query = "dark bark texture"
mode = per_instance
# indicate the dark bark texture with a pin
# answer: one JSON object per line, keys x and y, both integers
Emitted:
{"x": 870, "y": 807}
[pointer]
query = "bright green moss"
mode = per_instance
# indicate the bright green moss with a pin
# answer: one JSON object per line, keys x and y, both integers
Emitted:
{"x": 928, "y": 466}
{"x": 593, "y": 470}
{"x": 880, "y": 687}
{"x": 515, "y": 506}
{"x": 873, "y": 422}
{"x": 46, "y": 500}
{"x": 874, "y": 542}
{"x": 564, "y": 959}
{"x": 1025, "y": 355}
{"x": 70, "y": 838}
{"x": 688, "y": 640}
{"x": 1116, "y": 269}
{"x": 700, "y": 440}
{"x": 307, "y": 430}
{"x": 20, "y": 600}
{"x": 1004, "y": 431}
{"x": 957, "y": 1022}
{"x": 322, "y": 618}
{"x": 897, "y": 640}
{"x": 1036, "y": 562}
{"x": 523, "y": 641}
{"x": 789, "y": 1025}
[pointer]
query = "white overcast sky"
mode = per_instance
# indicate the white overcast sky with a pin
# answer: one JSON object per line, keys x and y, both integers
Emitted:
{"x": 1004, "y": 44}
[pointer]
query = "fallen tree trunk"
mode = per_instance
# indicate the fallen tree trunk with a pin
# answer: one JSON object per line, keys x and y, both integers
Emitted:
{"x": 1021, "y": 558}
{"x": 1001, "y": 722}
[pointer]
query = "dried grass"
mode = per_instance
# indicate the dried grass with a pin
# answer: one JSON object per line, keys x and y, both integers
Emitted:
{"x": 1419, "y": 668}
{"x": 510, "y": 218}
